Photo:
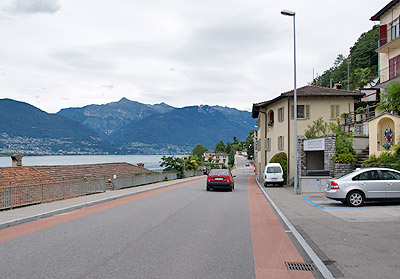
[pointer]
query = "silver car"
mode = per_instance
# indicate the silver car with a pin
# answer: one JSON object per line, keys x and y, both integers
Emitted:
{"x": 370, "y": 184}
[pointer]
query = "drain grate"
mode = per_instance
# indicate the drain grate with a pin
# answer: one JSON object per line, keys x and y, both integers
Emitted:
{"x": 300, "y": 266}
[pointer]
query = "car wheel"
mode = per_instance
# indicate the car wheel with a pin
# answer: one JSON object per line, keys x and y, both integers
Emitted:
{"x": 355, "y": 198}
{"x": 281, "y": 184}
{"x": 208, "y": 188}
{"x": 265, "y": 184}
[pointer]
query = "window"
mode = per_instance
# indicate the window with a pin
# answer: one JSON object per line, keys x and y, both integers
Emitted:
{"x": 390, "y": 175}
{"x": 274, "y": 170}
{"x": 368, "y": 175}
{"x": 303, "y": 111}
{"x": 280, "y": 143}
{"x": 395, "y": 29}
{"x": 271, "y": 118}
{"x": 281, "y": 112}
{"x": 334, "y": 111}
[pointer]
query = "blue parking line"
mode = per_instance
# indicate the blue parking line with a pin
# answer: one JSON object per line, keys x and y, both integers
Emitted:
{"x": 313, "y": 203}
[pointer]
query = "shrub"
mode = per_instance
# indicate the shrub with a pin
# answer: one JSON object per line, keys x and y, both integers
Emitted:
{"x": 319, "y": 128}
{"x": 281, "y": 158}
{"x": 386, "y": 159}
{"x": 346, "y": 158}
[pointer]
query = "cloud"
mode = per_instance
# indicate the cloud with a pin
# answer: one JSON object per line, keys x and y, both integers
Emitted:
{"x": 108, "y": 86}
{"x": 34, "y": 7}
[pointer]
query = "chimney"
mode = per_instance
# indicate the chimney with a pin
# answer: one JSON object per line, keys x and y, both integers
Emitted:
{"x": 16, "y": 160}
{"x": 141, "y": 165}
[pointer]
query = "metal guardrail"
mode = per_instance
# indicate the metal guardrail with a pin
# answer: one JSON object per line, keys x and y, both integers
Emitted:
{"x": 26, "y": 192}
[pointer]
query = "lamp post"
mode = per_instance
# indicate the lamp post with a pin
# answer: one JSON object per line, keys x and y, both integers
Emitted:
{"x": 293, "y": 14}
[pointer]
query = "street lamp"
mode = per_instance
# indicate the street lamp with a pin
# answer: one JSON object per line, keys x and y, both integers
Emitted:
{"x": 293, "y": 14}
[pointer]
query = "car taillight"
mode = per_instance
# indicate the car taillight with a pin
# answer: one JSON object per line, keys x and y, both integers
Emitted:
{"x": 334, "y": 185}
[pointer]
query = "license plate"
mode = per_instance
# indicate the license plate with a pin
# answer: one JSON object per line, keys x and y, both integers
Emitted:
{"x": 218, "y": 178}
{"x": 274, "y": 178}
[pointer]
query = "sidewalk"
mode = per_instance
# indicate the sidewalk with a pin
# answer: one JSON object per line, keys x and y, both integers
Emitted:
{"x": 20, "y": 215}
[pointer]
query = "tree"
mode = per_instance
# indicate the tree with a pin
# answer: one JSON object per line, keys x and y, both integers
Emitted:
{"x": 199, "y": 150}
{"x": 193, "y": 162}
{"x": 173, "y": 164}
{"x": 220, "y": 147}
{"x": 391, "y": 99}
{"x": 250, "y": 145}
{"x": 363, "y": 57}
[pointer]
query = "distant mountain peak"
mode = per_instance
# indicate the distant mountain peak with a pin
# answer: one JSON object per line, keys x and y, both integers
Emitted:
{"x": 124, "y": 100}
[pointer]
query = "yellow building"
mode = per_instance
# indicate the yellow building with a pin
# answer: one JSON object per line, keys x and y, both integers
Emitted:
{"x": 275, "y": 124}
{"x": 389, "y": 43}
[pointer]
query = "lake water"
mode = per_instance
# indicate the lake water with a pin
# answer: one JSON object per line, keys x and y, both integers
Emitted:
{"x": 151, "y": 162}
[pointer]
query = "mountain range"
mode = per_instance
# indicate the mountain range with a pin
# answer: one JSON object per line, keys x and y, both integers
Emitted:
{"x": 123, "y": 127}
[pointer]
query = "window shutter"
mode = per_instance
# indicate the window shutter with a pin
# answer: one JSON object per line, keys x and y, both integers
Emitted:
{"x": 332, "y": 111}
{"x": 382, "y": 35}
{"x": 292, "y": 112}
{"x": 283, "y": 113}
{"x": 307, "y": 107}
{"x": 337, "y": 111}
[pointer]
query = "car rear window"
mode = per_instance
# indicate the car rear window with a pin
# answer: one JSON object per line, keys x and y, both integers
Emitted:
{"x": 274, "y": 170}
{"x": 368, "y": 175}
{"x": 219, "y": 172}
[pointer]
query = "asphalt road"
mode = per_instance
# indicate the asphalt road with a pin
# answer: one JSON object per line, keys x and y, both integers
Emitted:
{"x": 186, "y": 232}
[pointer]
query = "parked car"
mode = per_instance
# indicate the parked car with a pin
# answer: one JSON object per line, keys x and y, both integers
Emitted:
{"x": 220, "y": 179}
{"x": 369, "y": 184}
{"x": 273, "y": 174}
{"x": 203, "y": 168}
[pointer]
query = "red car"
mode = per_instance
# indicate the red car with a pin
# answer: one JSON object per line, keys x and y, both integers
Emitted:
{"x": 220, "y": 179}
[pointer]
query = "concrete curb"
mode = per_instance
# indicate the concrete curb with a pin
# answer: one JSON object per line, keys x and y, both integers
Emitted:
{"x": 83, "y": 205}
{"x": 310, "y": 252}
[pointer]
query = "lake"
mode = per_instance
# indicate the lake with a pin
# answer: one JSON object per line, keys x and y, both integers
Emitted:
{"x": 151, "y": 162}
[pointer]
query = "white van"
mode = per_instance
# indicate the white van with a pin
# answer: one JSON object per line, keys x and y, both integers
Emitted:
{"x": 273, "y": 174}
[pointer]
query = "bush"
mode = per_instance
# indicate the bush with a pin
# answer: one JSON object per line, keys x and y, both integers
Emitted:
{"x": 281, "y": 158}
{"x": 386, "y": 159}
{"x": 346, "y": 158}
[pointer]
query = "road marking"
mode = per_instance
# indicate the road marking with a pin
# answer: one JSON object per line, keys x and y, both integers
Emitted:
{"x": 313, "y": 203}
{"x": 317, "y": 261}
{"x": 288, "y": 231}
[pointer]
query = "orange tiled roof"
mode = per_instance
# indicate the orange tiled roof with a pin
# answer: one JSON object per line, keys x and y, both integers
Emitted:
{"x": 8, "y": 174}
{"x": 91, "y": 171}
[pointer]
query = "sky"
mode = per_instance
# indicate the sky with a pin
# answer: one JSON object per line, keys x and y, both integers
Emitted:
{"x": 56, "y": 54}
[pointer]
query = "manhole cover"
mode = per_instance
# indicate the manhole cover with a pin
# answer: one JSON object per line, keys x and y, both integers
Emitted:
{"x": 300, "y": 266}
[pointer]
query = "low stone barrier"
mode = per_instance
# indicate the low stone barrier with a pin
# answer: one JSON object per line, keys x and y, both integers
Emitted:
{"x": 125, "y": 182}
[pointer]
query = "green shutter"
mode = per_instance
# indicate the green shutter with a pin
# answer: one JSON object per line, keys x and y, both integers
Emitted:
{"x": 307, "y": 108}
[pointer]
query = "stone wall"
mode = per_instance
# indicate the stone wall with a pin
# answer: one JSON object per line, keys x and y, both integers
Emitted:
{"x": 329, "y": 152}
{"x": 342, "y": 169}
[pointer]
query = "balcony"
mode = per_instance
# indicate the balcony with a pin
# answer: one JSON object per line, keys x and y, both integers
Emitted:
{"x": 388, "y": 39}
{"x": 389, "y": 75}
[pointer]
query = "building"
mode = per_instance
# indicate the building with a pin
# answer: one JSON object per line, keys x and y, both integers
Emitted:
{"x": 389, "y": 44}
{"x": 275, "y": 120}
